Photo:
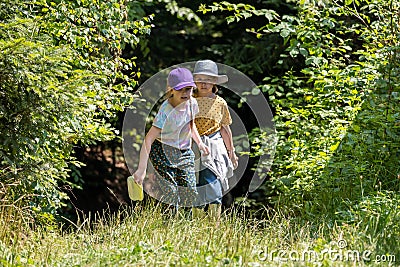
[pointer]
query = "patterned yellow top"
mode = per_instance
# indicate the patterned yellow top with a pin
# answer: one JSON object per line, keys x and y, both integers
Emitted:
{"x": 213, "y": 114}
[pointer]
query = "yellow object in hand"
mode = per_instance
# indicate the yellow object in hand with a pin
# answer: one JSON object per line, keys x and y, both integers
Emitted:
{"x": 135, "y": 190}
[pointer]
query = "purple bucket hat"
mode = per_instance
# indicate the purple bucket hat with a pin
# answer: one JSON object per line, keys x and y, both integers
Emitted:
{"x": 180, "y": 78}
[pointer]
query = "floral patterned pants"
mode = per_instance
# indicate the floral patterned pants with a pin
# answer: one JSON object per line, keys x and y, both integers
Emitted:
{"x": 175, "y": 174}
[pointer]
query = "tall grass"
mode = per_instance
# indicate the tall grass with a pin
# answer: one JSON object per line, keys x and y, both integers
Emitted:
{"x": 146, "y": 236}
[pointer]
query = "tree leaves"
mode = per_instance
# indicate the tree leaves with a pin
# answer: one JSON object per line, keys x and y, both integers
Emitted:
{"x": 62, "y": 75}
{"x": 335, "y": 73}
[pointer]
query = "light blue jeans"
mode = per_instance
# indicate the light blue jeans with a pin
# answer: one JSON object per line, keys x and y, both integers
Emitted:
{"x": 213, "y": 189}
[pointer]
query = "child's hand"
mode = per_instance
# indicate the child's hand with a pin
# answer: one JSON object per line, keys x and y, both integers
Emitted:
{"x": 138, "y": 176}
{"x": 234, "y": 159}
{"x": 204, "y": 149}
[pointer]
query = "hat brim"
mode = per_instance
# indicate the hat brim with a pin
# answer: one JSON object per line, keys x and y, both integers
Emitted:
{"x": 220, "y": 78}
{"x": 179, "y": 86}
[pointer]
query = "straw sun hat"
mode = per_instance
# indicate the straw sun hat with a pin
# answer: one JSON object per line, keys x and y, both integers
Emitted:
{"x": 209, "y": 68}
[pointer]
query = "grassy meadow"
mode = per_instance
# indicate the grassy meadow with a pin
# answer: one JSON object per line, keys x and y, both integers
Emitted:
{"x": 145, "y": 236}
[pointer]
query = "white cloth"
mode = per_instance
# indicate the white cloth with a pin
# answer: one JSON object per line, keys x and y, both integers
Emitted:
{"x": 217, "y": 160}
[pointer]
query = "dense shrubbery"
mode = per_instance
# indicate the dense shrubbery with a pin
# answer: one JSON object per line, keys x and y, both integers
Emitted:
{"x": 62, "y": 77}
{"x": 335, "y": 101}
{"x": 338, "y": 114}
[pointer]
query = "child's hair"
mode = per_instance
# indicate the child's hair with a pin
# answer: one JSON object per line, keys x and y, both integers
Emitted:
{"x": 214, "y": 90}
{"x": 169, "y": 92}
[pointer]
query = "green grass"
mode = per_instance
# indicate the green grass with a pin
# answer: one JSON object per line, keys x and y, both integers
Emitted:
{"x": 143, "y": 236}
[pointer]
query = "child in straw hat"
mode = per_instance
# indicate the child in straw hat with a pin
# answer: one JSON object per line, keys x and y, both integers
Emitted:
{"x": 213, "y": 122}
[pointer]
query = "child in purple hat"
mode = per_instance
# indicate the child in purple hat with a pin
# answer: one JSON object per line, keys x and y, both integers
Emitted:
{"x": 168, "y": 142}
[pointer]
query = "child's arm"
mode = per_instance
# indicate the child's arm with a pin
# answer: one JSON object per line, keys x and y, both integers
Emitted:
{"x": 226, "y": 134}
{"x": 140, "y": 173}
{"x": 197, "y": 139}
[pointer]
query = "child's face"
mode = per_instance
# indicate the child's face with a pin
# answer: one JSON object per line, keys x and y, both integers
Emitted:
{"x": 204, "y": 83}
{"x": 182, "y": 95}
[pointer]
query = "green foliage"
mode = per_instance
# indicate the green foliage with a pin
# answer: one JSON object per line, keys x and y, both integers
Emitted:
{"x": 377, "y": 214}
{"x": 335, "y": 99}
{"x": 62, "y": 75}
{"x": 182, "y": 13}
{"x": 239, "y": 44}
{"x": 240, "y": 11}
{"x": 366, "y": 159}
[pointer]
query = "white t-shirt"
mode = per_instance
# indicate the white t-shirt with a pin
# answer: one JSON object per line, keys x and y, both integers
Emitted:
{"x": 175, "y": 123}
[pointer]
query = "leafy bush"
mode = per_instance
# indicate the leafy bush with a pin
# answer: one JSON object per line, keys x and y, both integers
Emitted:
{"x": 62, "y": 76}
{"x": 334, "y": 94}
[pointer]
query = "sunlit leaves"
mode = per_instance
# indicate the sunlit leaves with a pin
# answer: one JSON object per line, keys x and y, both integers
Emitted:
{"x": 182, "y": 12}
{"x": 239, "y": 11}
{"x": 332, "y": 98}
{"x": 62, "y": 79}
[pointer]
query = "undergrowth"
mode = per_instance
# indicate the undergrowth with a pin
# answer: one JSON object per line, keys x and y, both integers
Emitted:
{"x": 147, "y": 236}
